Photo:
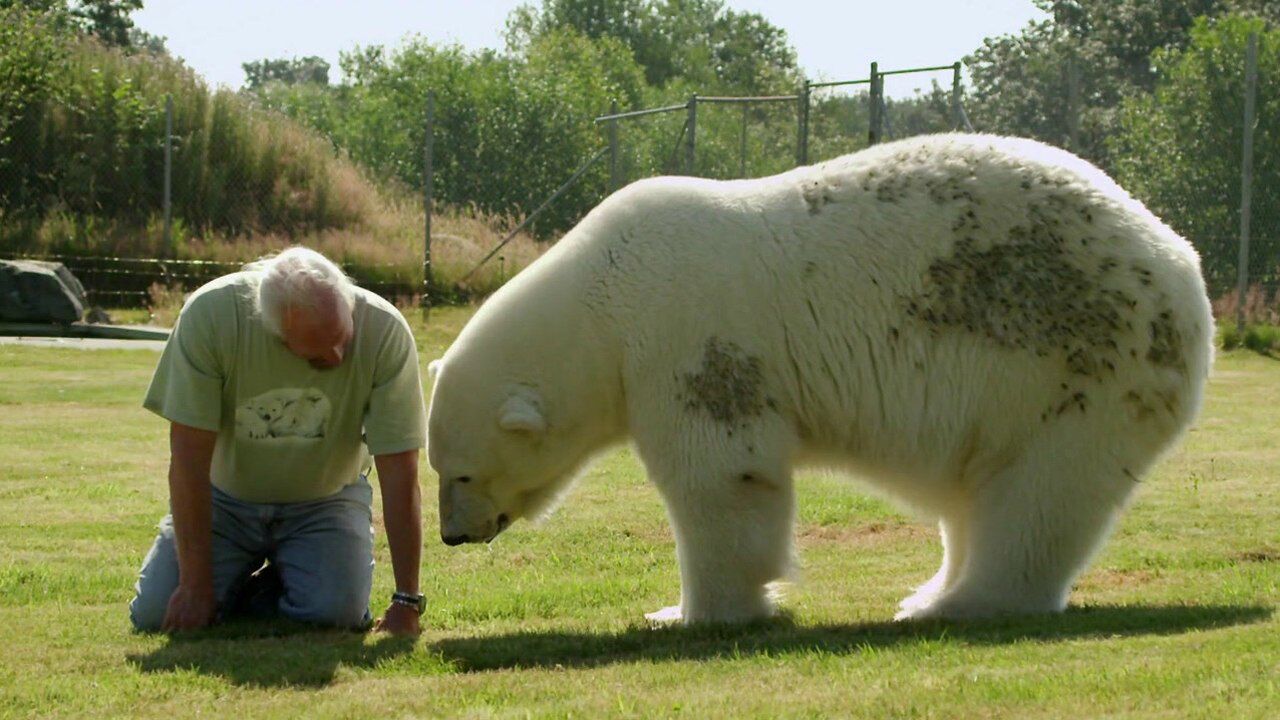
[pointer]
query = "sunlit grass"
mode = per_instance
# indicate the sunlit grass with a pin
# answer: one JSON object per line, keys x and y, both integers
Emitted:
{"x": 1175, "y": 619}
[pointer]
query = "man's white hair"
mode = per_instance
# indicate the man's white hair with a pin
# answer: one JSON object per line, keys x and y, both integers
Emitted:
{"x": 298, "y": 278}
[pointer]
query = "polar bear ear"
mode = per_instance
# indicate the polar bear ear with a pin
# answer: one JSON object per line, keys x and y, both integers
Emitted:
{"x": 519, "y": 414}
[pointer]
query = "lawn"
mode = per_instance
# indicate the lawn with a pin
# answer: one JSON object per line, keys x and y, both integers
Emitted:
{"x": 1176, "y": 618}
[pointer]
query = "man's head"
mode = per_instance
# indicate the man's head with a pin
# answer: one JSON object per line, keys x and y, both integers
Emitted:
{"x": 307, "y": 301}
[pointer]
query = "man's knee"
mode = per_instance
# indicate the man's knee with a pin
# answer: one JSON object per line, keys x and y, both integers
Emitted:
{"x": 346, "y": 608}
{"x": 156, "y": 581}
{"x": 146, "y": 613}
{"x": 327, "y": 575}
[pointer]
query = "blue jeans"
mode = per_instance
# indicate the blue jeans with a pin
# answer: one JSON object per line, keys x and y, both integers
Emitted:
{"x": 322, "y": 550}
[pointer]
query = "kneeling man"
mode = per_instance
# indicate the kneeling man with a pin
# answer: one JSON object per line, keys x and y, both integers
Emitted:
{"x": 279, "y": 383}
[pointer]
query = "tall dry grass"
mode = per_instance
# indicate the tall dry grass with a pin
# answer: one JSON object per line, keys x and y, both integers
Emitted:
{"x": 389, "y": 249}
{"x": 81, "y": 174}
{"x": 1261, "y": 305}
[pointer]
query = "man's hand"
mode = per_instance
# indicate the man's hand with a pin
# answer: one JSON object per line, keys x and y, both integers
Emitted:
{"x": 189, "y": 609}
{"x": 398, "y": 620}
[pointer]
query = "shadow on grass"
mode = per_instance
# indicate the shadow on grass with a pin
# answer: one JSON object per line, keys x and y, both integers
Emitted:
{"x": 585, "y": 649}
{"x": 271, "y": 654}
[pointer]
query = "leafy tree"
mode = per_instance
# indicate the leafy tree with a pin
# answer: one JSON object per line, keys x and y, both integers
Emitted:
{"x": 700, "y": 41}
{"x": 108, "y": 20}
{"x": 1179, "y": 148}
{"x": 1061, "y": 79}
{"x": 31, "y": 50}
{"x": 289, "y": 71}
{"x": 143, "y": 41}
{"x": 508, "y": 130}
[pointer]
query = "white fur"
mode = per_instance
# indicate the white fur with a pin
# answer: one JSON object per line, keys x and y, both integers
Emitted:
{"x": 986, "y": 329}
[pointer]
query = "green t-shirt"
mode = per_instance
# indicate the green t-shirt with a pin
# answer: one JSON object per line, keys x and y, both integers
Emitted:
{"x": 288, "y": 432}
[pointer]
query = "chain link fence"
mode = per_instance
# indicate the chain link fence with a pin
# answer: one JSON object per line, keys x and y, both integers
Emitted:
{"x": 1201, "y": 155}
{"x": 137, "y": 195}
{"x": 228, "y": 184}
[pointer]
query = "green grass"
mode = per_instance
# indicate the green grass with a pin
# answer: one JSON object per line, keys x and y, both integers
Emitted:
{"x": 1176, "y": 619}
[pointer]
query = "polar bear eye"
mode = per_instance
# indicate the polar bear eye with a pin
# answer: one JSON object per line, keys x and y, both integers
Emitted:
{"x": 463, "y": 479}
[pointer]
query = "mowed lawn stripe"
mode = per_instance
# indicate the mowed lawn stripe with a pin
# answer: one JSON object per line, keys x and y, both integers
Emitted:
{"x": 1175, "y": 618}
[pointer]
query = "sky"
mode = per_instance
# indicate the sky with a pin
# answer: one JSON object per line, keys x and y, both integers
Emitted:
{"x": 834, "y": 39}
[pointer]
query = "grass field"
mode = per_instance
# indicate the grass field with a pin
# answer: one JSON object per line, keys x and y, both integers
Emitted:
{"x": 1176, "y": 618}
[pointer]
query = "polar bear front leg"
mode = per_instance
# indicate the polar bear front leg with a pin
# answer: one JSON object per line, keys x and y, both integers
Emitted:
{"x": 733, "y": 537}
{"x": 719, "y": 449}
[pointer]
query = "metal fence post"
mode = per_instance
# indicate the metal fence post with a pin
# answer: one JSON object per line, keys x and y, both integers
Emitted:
{"x": 1246, "y": 177}
{"x": 742, "y": 151}
{"x": 1073, "y": 105}
{"x": 168, "y": 174}
{"x": 802, "y": 138}
{"x": 691, "y": 145}
{"x": 614, "y": 180}
{"x": 428, "y": 189}
{"x": 955, "y": 97}
{"x": 873, "y": 135}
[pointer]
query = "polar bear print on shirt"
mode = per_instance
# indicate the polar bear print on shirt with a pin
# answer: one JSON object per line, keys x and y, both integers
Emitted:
{"x": 284, "y": 412}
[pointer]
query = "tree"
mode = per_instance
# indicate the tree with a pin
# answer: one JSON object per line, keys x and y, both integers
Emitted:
{"x": 1060, "y": 80}
{"x": 1179, "y": 148}
{"x": 108, "y": 20}
{"x": 508, "y": 130}
{"x": 144, "y": 42}
{"x": 289, "y": 71}
{"x": 701, "y": 42}
{"x": 32, "y": 46}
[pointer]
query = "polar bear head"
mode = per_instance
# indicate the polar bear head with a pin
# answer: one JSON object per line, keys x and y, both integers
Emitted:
{"x": 266, "y": 407}
{"x": 524, "y": 398}
{"x": 304, "y": 416}
{"x": 508, "y": 445}
{"x": 497, "y": 457}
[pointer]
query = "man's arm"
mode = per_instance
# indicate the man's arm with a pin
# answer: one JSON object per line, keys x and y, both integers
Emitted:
{"x": 192, "y": 604}
{"x": 402, "y": 516}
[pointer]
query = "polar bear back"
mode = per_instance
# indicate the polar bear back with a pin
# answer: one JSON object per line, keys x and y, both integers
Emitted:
{"x": 897, "y": 299}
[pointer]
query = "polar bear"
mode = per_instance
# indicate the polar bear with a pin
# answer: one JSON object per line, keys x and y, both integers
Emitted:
{"x": 305, "y": 415}
{"x": 987, "y": 329}
{"x": 254, "y": 417}
{"x": 284, "y": 412}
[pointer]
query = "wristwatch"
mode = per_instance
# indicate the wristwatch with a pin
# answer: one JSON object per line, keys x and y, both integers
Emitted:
{"x": 417, "y": 601}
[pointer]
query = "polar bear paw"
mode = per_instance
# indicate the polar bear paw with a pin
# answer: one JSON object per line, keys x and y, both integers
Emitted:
{"x": 931, "y": 604}
{"x": 666, "y": 616}
{"x": 964, "y": 606}
{"x": 917, "y": 605}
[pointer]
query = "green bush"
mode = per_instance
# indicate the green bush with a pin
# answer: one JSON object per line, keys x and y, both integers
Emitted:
{"x": 507, "y": 131}
{"x": 1264, "y": 339}
{"x": 82, "y": 139}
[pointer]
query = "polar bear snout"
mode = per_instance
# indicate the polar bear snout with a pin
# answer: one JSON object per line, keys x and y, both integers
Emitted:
{"x": 500, "y": 524}
{"x": 491, "y": 530}
{"x": 468, "y": 515}
{"x": 452, "y": 536}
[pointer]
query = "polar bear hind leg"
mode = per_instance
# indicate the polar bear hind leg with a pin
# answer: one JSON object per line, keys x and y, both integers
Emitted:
{"x": 1028, "y": 530}
{"x": 952, "y": 529}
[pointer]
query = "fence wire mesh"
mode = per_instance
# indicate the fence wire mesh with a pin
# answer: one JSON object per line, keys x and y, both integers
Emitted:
{"x": 233, "y": 178}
